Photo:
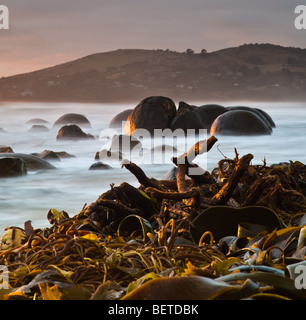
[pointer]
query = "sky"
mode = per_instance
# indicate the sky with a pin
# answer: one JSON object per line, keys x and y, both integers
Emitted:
{"x": 44, "y": 33}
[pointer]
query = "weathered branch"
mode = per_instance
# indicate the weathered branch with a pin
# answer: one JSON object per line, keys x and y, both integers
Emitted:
{"x": 226, "y": 191}
{"x": 140, "y": 175}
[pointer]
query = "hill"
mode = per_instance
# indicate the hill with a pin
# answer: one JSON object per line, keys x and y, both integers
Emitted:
{"x": 248, "y": 72}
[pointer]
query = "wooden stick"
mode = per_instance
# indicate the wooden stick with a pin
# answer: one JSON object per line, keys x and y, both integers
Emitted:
{"x": 226, "y": 192}
{"x": 140, "y": 175}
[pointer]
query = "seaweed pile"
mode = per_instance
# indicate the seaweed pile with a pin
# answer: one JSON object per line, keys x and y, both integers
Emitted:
{"x": 235, "y": 233}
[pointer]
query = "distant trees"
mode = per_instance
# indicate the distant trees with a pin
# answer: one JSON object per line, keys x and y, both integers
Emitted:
{"x": 190, "y": 52}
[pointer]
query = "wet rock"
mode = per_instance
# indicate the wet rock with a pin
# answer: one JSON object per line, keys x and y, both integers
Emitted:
{"x": 6, "y": 149}
{"x": 185, "y": 107}
{"x": 38, "y": 128}
{"x": 100, "y": 166}
{"x": 37, "y": 121}
{"x": 109, "y": 155}
{"x": 208, "y": 113}
{"x": 47, "y": 155}
{"x": 116, "y": 122}
{"x": 12, "y": 167}
{"x": 72, "y": 132}
{"x": 187, "y": 120}
{"x": 33, "y": 163}
{"x": 155, "y": 112}
{"x": 72, "y": 118}
{"x": 239, "y": 122}
{"x": 256, "y": 111}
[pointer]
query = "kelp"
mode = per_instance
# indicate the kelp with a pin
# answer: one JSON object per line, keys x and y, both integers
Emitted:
{"x": 235, "y": 233}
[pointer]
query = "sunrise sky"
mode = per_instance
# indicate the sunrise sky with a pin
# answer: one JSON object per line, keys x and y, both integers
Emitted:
{"x": 45, "y": 33}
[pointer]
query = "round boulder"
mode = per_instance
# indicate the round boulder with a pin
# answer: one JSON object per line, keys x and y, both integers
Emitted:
{"x": 187, "y": 120}
{"x": 38, "y": 128}
{"x": 37, "y": 121}
{"x": 155, "y": 112}
{"x": 258, "y": 113}
{"x": 32, "y": 162}
{"x": 72, "y": 118}
{"x": 267, "y": 116}
{"x": 72, "y": 132}
{"x": 116, "y": 122}
{"x": 12, "y": 167}
{"x": 99, "y": 166}
{"x": 208, "y": 113}
{"x": 47, "y": 155}
{"x": 185, "y": 107}
{"x": 239, "y": 122}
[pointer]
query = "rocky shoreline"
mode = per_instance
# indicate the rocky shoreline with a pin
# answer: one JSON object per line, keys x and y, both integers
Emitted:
{"x": 237, "y": 232}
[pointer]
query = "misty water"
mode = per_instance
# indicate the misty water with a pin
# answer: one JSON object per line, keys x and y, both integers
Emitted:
{"x": 72, "y": 185}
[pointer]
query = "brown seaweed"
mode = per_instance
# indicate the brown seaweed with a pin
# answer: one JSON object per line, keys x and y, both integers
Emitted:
{"x": 235, "y": 233}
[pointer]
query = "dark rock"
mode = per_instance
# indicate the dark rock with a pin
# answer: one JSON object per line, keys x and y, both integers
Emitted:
{"x": 33, "y": 163}
{"x": 99, "y": 166}
{"x": 259, "y": 114}
{"x": 37, "y": 121}
{"x": 12, "y": 167}
{"x": 267, "y": 116}
{"x": 184, "y": 107}
{"x": 187, "y": 120}
{"x": 239, "y": 122}
{"x": 64, "y": 155}
{"x": 72, "y": 132}
{"x": 116, "y": 122}
{"x": 47, "y": 155}
{"x": 38, "y": 128}
{"x": 6, "y": 150}
{"x": 151, "y": 113}
{"x": 208, "y": 113}
{"x": 72, "y": 118}
{"x": 109, "y": 155}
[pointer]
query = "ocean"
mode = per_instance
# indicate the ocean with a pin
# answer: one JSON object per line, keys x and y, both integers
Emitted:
{"x": 72, "y": 184}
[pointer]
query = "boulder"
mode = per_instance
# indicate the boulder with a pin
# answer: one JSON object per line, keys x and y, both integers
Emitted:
{"x": 187, "y": 120}
{"x": 47, "y": 155}
{"x": 267, "y": 116}
{"x": 12, "y": 167}
{"x": 239, "y": 122}
{"x": 72, "y": 118}
{"x": 6, "y": 149}
{"x": 32, "y": 162}
{"x": 259, "y": 114}
{"x": 185, "y": 107}
{"x": 100, "y": 166}
{"x": 155, "y": 112}
{"x": 72, "y": 132}
{"x": 109, "y": 155}
{"x": 116, "y": 122}
{"x": 208, "y": 113}
{"x": 37, "y": 121}
{"x": 38, "y": 128}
